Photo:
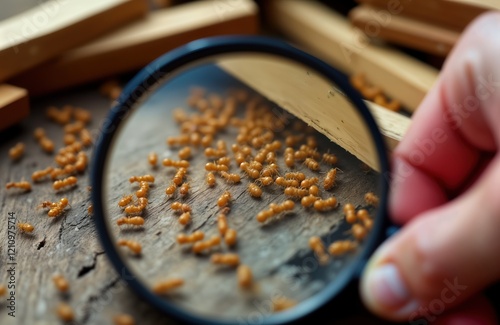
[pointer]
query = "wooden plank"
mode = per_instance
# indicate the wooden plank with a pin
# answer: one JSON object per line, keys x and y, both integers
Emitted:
{"x": 409, "y": 32}
{"x": 331, "y": 37}
{"x": 134, "y": 46}
{"x": 318, "y": 102}
{"x": 14, "y": 105}
{"x": 454, "y": 14}
{"x": 56, "y": 26}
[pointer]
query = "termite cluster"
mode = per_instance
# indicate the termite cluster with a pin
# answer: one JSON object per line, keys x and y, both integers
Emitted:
{"x": 373, "y": 93}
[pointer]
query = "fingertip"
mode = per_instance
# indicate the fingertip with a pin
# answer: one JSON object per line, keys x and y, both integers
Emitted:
{"x": 412, "y": 192}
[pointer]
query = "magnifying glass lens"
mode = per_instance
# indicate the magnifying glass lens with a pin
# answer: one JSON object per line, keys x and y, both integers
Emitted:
{"x": 223, "y": 199}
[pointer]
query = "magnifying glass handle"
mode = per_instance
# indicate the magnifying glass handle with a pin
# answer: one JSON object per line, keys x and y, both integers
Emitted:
{"x": 391, "y": 230}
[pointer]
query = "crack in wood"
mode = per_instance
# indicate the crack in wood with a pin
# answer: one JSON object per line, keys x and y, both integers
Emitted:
{"x": 87, "y": 268}
{"x": 87, "y": 308}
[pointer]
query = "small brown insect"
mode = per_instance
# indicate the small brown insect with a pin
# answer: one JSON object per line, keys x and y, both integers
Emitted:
{"x": 348, "y": 207}
{"x": 230, "y": 237}
{"x": 153, "y": 159}
{"x": 60, "y": 282}
{"x": 308, "y": 201}
{"x": 363, "y": 214}
{"x": 213, "y": 167}
{"x": 311, "y": 164}
{"x": 318, "y": 248}
{"x": 81, "y": 161}
{"x": 214, "y": 153}
{"x": 283, "y": 303}
{"x": 41, "y": 174}
{"x": 265, "y": 181}
{"x": 254, "y": 190}
{"x": 143, "y": 190}
{"x": 66, "y": 182}
{"x": 329, "y": 180}
{"x": 298, "y": 176}
{"x": 275, "y": 209}
{"x": 222, "y": 224}
{"x": 16, "y": 152}
{"x": 82, "y": 115}
{"x": 123, "y": 319}
{"x": 308, "y": 182}
{"x": 56, "y": 209}
{"x": 245, "y": 277}
{"x": 170, "y": 190}
{"x": 181, "y": 140}
{"x": 358, "y": 231}
{"x": 350, "y": 216}
{"x": 75, "y": 127}
{"x": 200, "y": 246}
{"x": 185, "y": 218}
{"x": 195, "y": 139}
{"x": 62, "y": 116}
{"x": 185, "y": 153}
{"x": 295, "y": 192}
{"x": 229, "y": 259}
{"x": 283, "y": 182}
{"x": 166, "y": 286}
{"x": 252, "y": 172}
{"x": 90, "y": 209}
{"x": 371, "y": 199}
{"x": 224, "y": 199}
{"x": 179, "y": 176}
{"x": 230, "y": 178}
{"x": 145, "y": 178}
{"x": 224, "y": 161}
{"x": 368, "y": 223}
{"x": 180, "y": 207}
{"x": 340, "y": 247}
{"x": 329, "y": 159}
{"x": 270, "y": 170}
{"x": 134, "y": 221}
{"x": 69, "y": 138}
{"x": 207, "y": 140}
{"x": 25, "y": 227}
{"x": 65, "y": 171}
{"x": 184, "y": 189}
{"x": 325, "y": 205}
{"x": 65, "y": 312}
{"x": 124, "y": 201}
{"x": 211, "y": 179}
{"x": 133, "y": 245}
{"x": 188, "y": 239}
{"x": 133, "y": 209}
{"x": 21, "y": 185}
{"x": 314, "y": 190}
{"x": 3, "y": 290}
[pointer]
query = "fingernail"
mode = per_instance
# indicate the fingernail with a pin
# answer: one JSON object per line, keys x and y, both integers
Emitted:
{"x": 386, "y": 287}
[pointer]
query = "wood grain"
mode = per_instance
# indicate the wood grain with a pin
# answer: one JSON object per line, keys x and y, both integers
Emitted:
{"x": 14, "y": 105}
{"x": 53, "y": 27}
{"x": 405, "y": 31}
{"x": 331, "y": 37}
{"x": 137, "y": 44}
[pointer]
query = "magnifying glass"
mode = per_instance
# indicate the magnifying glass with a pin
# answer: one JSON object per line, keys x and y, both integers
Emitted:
{"x": 217, "y": 204}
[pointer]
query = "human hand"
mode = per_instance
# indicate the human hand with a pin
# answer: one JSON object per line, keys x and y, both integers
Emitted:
{"x": 446, "y": 193}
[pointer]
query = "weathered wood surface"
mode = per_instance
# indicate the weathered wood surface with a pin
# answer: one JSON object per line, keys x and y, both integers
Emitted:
{"x": 69, "y": 244}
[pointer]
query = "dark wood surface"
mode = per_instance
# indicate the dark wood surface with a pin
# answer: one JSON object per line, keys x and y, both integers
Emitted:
{"x": 69, "y": 244}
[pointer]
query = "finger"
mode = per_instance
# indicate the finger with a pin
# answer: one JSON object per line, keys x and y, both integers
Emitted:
{"x": 455, "y": 123}
{"x": 449, "y": 253}
{"x": 477, "y": 311}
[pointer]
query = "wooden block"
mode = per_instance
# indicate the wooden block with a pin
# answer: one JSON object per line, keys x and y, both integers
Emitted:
{"x": 317, "y": 102}
{"x": 135, "y": 45}
{"x": 14, "y": 105}
{"x": 406, "y": 31}
{"x": 55, "y": 26}
{"x": 331, "y": 37}
{"x": 454, "y": 14}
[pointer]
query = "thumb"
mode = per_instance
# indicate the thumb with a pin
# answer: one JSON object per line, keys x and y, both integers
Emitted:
{"x": 439, "y": 259}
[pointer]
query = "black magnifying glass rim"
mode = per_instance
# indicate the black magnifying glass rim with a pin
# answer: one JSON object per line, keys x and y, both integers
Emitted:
{"x": 140, "y": 86}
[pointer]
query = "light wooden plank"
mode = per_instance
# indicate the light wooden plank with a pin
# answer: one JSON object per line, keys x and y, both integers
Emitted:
{"x": 318, "y": 102}
{"x": 456, "y": 14}
{"x": 331, "y": 37}
{"x": 14, "y": 105}
{"x": 406, "y": 31}
{"x": 55, "y": 26}
{"x": 137, "y": 44}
